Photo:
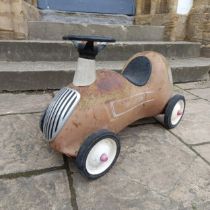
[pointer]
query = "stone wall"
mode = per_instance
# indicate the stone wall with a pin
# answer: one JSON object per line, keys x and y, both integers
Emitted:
{"x": 194, "y": 26}
{"x": 14, "y": 15}
{"x": 162, "y": 12}
{"x": 5, "y": 22}
{"x": 198, "y": 25}
{"x": 32, "y": 2}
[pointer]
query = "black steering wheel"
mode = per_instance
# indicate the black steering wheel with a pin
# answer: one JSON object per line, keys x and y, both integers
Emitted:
{"x": 89, "y": 38}
{"x": 86, "y": 45}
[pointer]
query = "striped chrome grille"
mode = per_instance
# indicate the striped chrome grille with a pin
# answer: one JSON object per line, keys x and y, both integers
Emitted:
{"x": 59, "y": 111}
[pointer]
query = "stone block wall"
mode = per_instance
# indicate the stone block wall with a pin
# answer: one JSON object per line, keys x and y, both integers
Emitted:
{"x": 6, "y": 23}
{"x": 32, "y": 2}
{"x": 198, "y": 25}
{"x": 160, "y": 12}
{"x": 163, "y": 12}
{"x": 14, "y": 15}
{"x": 194, "y": 26}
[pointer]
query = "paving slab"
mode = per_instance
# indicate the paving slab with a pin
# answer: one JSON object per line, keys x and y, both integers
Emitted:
{"x": 204, "y": 151}
{"x": 23, "y": 147}
{"x": 203, "y": 206}
{"x": 194, "y": 85}
{"x": 187, "y": 95}
{"x": 193, "y": 188}
{"x": 46, "y": 191}
{"x": 23, "y": 103}
{"x": 202, "y": 93}
{"x": 195, "y": 124}
{"x": 119, "y": 193}
{"x": 151, "y": 162}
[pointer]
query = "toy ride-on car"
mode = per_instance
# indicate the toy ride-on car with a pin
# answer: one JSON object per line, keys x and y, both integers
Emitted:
{"x": 84, "y": 118}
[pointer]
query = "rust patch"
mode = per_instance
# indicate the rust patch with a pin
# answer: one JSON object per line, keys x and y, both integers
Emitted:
{"x": 109, "y": 81}
{"x": 75, "y": 124}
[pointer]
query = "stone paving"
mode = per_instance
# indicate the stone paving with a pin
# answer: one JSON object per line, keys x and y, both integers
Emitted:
{"x": 157, "y": 169}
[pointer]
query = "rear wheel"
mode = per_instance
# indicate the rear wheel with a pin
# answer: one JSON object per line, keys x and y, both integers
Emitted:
{"x": 174, "y": 111}
{"x": 98, "y": 154}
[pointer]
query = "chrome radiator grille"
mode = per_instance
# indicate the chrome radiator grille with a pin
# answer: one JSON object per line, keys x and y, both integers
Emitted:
{"x": 59, "y": 111}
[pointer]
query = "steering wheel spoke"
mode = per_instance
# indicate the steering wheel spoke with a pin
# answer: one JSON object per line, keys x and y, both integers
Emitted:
{"x": 89, "y": 46}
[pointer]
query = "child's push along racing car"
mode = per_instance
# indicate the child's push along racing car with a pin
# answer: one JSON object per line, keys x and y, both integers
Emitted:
{"x": 83, "y": 119}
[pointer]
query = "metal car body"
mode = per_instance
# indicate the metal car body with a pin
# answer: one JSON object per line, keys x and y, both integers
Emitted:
{"x": 84, "y": 118}
{"x": 112, "y": 102}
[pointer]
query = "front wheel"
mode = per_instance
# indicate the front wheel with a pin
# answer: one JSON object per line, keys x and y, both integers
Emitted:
{"x": 98, "y": 154}
{"x": 174, "y": 111}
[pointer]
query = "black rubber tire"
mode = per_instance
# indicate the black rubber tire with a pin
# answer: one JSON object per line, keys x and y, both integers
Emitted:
{"x": 88, "y": 145}
{"x": 169, "y": 109}
{"x": 41, "y": 121}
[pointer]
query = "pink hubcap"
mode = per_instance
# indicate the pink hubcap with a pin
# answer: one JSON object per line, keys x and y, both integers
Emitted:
{"x": 179, "y": 113}
{"x": 104, "y": 157}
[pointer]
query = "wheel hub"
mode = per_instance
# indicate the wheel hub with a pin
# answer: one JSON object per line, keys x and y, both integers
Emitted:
{"x": 179, "y": 113}
{"x": 101, "y": 156}
{"x": 104, "y": 157}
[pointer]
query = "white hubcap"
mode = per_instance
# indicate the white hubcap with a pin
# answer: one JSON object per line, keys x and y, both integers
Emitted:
{"x": 101, "y": 156}
{"x": 177, "y": 112}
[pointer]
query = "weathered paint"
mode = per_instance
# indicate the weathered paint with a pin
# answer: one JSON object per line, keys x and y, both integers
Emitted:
{"x": 95, "y": 110}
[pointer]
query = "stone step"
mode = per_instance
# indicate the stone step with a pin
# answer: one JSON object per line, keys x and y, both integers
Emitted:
{"x": 16, "y": 76}
{"x": 205, "y": 51}
{"x": 87, "y": 18}
{"x": 44, "y": 30}
{"x": 28, "y": 50}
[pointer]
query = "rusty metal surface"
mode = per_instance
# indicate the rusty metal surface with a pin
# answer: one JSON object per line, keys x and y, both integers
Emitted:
{"x": 113, "y": 103}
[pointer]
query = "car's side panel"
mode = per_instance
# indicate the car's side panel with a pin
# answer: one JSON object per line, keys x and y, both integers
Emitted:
{"x": 91, "y": 113}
